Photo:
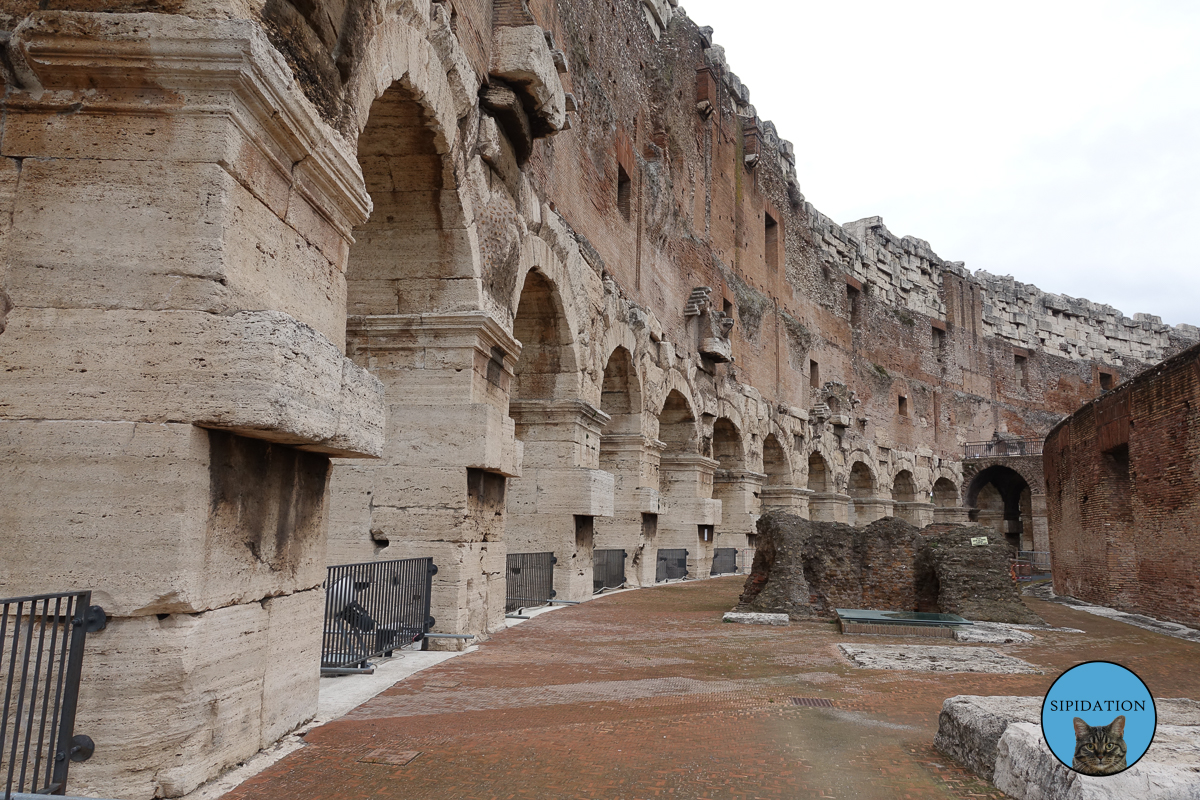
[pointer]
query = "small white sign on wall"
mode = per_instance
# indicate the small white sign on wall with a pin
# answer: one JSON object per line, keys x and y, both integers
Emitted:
{"x": 979, "y": 541}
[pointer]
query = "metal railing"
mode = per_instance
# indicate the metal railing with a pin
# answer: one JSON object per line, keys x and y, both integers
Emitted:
{"x": 529, "y": 580}
{"x": 1029, "y": 446}
{"x": 1030, "y": 564}
{"x": 608, "y": 569}
{"x": 725, "y": 561}
{"x": 41, "y": 643}
{"x": 372, "y": 609}
{"x": 672, "y": 565}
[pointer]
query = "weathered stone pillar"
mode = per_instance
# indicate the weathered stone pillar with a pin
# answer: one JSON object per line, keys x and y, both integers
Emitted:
{"x": 955, "y": 515}
{"x": 560, "y": 485}
{"x": 175, "y": 225}
{"x": 792, "y": 499}
{"x": 869, "y": 509}
{"x": 633, "y": 460}
{"x": 439, "y": 490}
{"x": 918, "y": 514}
{"x": 738, "y": 491}
{"x": 829, "y": 507}
{"x": 687, "y": 484}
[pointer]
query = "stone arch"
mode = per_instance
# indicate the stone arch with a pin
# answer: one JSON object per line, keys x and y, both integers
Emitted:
{"x": 860, "y": 483}
{"x": 904, "y": 489}
{"x": 547, "y": 368}
{"x": 945, "y": 493}
{"x": 417, "y": 253}
{"x": 621, "y": 393}
{"x": 994, "y": 498}
{"x": 776, "y": 464}
{"x": 677, "y": 424}
{"x": 729, "y": 447}
{"x": 820, "y": 477}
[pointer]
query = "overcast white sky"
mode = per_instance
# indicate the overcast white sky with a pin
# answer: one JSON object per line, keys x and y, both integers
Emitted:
{"x": 1054, "y": 141}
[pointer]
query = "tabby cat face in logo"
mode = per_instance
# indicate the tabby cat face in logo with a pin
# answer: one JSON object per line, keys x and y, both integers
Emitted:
{"x": 1099, "y": 749}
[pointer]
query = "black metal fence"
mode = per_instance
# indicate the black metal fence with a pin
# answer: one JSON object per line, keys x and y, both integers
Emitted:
{"x": 529, "y": 580}
{"x": 725, "y": 561}
{"x": 672, "y": 565}
{"x": 608, "y": 569}
{"x": 41, "y": 642}
{"x": 372, "y": 609}
{"x": 1029, "y": 446}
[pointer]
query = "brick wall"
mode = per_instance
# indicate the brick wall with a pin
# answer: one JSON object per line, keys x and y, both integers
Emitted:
{"x": 1123, "y": 474}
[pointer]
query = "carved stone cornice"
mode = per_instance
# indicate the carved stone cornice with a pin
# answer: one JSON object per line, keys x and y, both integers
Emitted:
{"x": 147, "y": 64}
{"x": 402, "y": 331}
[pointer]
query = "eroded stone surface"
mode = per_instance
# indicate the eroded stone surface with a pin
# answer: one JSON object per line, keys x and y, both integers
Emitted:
{"x": 920, "y": 658}
{"x": 756, "y": 619}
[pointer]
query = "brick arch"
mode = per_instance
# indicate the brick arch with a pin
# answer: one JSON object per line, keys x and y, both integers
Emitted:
{"x": 1028, "y": 467}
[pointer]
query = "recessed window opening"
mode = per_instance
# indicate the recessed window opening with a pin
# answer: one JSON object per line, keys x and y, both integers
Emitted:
{"x": 814, "y": 375}
{"x": 902, "y": 405}
{"x": 624, "y": 193}
{"x": 1107, "y": 381}
{"x": 771, "y": 242}
{"x": 939, "y": 342}
{"x": 1019, "y": 368}
{"x": 727, "y": 307}
{"x": 852, "y": 296}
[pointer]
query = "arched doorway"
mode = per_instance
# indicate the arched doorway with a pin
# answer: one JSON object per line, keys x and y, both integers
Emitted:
{"x": 439, "y": 489}
{"x": 1000, "y": 498}
{"x": 904, "y": 497}
{"x": 735, "y": 486}
{"x": 689, "y": 514}
{"x": 633, "y": 461}
{"x": 861, "y": 488}
{"x": 552, "y": 506}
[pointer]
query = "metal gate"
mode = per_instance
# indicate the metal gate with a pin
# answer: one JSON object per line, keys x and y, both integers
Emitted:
{"x": 372, "y": 609}
{"x": 608, "y": 569}
{"x": 529, "y": 580}
{"x": 724, "y": 561}
{"x": 672, "y": 565}
{"x": 41, "y": 643}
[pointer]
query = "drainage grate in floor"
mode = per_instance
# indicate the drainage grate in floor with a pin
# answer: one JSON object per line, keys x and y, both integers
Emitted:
{"x": 817, "y": 702}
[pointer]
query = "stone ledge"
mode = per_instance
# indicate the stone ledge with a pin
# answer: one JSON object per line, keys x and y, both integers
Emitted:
{"x": 999, "y": 739}
{"x": 260, "y": 374}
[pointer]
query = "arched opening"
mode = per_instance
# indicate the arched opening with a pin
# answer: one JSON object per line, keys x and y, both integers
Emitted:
{"x": 540, "y": 326}
{"x": 624, "y": 453}
{"x": 775, "y": 463}
{"x": 995, "y": 498}
{"x": 861, "y": 488}
{"x": 818, "y": 473}
{"x": 677, "y": 425}
{"x": 945, "y": 493}
{"x": 727, "y": 445}
{"x": 621, "y": 397}
{"x": 904, "y": 496}
{"x": 903, "y": 488}
{"x": 414, "y": 255}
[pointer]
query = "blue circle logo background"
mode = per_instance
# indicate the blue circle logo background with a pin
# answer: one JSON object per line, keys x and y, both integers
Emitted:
{"x": 1116, "y": 690}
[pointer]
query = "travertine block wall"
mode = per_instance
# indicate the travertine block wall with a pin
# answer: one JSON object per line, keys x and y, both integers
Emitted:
{"x": 173, "y": 382}
{"x": 239, "y": 239}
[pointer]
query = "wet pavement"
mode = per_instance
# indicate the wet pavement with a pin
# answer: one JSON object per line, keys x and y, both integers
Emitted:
{"x": 647, "y": 694}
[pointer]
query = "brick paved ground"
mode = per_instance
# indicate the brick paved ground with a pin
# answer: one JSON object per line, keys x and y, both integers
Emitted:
{"x": 648, "y": 694}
